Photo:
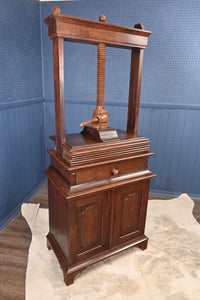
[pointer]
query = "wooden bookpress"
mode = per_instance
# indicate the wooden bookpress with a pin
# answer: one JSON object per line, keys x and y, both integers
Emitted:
{"x": 98, "y": 181}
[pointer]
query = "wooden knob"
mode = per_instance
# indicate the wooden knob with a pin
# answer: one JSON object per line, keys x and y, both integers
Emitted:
{"x": 139, "y": 26}
{"x": 102, "y": 18}
{"x": 115, "y": 172}
{"x": 55, "y": 10}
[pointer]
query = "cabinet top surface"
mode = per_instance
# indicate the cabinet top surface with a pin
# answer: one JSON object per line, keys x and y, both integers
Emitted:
{"x": 78, "y": 139}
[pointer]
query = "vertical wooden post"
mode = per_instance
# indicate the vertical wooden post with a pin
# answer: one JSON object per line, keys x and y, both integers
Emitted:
{"x": 134, "y": 90}
{"x": 59, "y": 93}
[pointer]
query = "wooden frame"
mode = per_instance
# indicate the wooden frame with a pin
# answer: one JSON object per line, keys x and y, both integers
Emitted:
{"x": 62, "y": 27}
{"x": 98, "y": 181}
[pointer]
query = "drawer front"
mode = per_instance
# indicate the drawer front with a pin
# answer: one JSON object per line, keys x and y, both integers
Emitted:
{"x": 110, "y": 170}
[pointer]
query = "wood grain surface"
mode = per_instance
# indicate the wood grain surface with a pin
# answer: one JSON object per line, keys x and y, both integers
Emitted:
{"x": 15, "y": 239}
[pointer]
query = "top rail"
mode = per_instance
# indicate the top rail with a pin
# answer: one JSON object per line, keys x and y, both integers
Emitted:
{"x": 81, "y": 30}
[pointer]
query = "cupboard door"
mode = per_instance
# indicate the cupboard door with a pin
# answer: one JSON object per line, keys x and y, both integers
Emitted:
{"x": 129, "y": 212}
{"x": 89, "y": 234}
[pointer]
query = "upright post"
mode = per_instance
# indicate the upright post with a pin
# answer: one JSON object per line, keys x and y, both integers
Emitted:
{"x": 59, "y": 94}
{"x": 134, "y": 87}
{"x": 134, "y": 90}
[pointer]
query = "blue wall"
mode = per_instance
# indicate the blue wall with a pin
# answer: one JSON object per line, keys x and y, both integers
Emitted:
{"x": 170, "y": 96}
{"x": 22, "y": 153}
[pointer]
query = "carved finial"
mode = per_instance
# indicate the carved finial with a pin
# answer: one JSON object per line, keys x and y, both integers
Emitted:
{"x": 139, "y": 26}
{"x": 102, "y": 18}
{"x": 55, "y": 10}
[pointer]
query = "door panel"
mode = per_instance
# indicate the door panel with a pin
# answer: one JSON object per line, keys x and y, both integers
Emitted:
{"x": 89, "y": 234}
{"x": 89, "y": 226}
{"x": 129, "y": 212}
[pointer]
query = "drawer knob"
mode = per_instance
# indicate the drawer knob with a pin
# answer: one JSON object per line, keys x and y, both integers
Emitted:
{"x": 115, "y": 172}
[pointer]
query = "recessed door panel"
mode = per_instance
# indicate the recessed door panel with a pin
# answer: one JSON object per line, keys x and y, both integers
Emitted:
{"x": 90, "y": 223}
{"x": 129, "y": 212}
{"x": 89, "y": 226}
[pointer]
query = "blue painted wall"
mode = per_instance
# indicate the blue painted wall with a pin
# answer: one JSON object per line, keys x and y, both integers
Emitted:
{"x": 170, "y": 101}
{"x": 170, "y": 96}
{"x": 22, "y": 153}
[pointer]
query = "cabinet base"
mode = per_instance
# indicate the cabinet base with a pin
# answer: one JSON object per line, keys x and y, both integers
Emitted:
{"x": 70, "y": 272}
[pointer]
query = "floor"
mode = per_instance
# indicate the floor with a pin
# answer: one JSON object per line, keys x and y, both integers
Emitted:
{"x": 15, "y": 239}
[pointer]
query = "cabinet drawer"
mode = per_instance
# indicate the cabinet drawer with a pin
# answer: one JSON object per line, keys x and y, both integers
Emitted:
{"x": 110, "y": 170}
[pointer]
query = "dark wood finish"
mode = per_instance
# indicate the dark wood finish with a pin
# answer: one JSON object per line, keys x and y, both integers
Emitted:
{"x": 86, "y": 173}
{"x": 98, "y": 180}
{"x": 102, "y": 18}
{"x": 81, "y": 149}
{"x": 129, "y": 212}
{"x": 100, "y": 135}
{"x": 94, "y": 186}
{"x": 105, "y": 210}
{"x": 93, "y": 32}
{"x": 134, "y": 90}
{"x": 100, "y": 113}
{"x": 58, "y": 225}
{"x": 92, "y": 220}
{"x": 15, "y": 239}
{"x": 100, "y": 117}
{"x": 58, "y": 62}
{"x": 139, "y": 26}
{"x": 102, "y": 34}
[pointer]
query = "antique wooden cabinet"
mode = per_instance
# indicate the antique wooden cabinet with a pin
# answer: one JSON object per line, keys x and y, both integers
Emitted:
{"x": 98, "y": 180}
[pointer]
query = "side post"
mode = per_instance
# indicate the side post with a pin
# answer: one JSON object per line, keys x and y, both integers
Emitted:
{"x": 134, "y": 90}
{"x": 59, "y": 93}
